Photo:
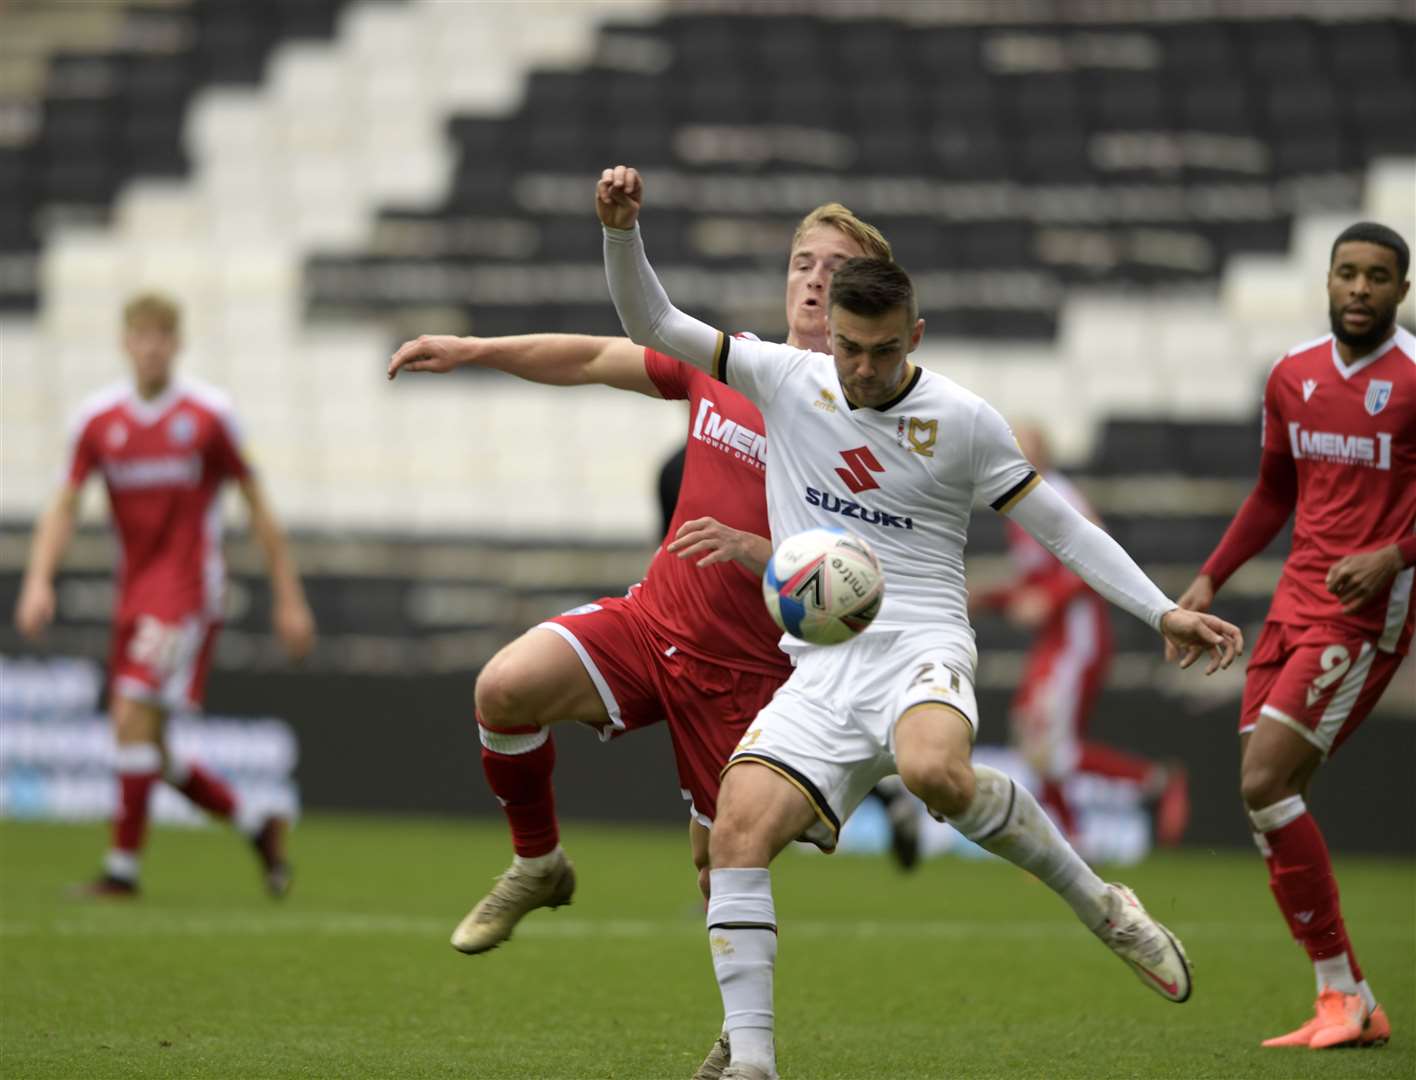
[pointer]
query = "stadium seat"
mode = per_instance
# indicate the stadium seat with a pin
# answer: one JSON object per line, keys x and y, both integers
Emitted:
{"x": 290, "y": 141}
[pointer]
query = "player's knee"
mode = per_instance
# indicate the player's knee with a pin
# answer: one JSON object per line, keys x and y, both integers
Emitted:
{"x": 737, "y": 841}
{"x": 134, "y": 723}
{"x": 505, "y": 694}
{"x": 946, "y": 786}
{"x": 1262, "y": 784}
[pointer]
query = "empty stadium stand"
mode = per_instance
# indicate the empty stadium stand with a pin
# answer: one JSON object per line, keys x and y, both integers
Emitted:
{"x": 1113, "y": 210}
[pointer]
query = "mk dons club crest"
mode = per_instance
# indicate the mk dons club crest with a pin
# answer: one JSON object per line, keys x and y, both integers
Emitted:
{"x": 922, "y": 435}
{"x": 1378, "y": 394}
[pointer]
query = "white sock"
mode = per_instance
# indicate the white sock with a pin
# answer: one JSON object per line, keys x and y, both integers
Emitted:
{"x": 742, "y": 934}
{"x": 1336, "y": 973}
{"x": 1005, "y": 819}
{"x": 122, "y": 865}
{"x": 538, "y": 864}
{"x": 1367, "y": 995}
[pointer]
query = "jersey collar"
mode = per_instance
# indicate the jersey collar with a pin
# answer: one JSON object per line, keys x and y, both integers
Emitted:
{"x": 887, "y": 406}
{"x": 1349, "y": 370}
{"x": 148, "y": 411}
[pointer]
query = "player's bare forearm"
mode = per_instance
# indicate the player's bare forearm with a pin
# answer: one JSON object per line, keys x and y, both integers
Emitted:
{"x": 35, "y": 606}
{"x": 293, "y": 622}
{"x": 549, "y": 359}
{"x": 756, "y": 553}
{"x": 52, "y": 534}
{"x": 571, "y": 360}
{"x": 280, "y": 563}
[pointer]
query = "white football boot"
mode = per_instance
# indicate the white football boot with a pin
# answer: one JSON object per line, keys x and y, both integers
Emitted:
{"x": 1151, "y": 951}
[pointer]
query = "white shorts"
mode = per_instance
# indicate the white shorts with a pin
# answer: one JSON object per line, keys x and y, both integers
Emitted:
{"x": 830, "y": 730}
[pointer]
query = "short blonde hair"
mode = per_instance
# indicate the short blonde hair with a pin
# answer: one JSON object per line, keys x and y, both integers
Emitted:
{"x": 153, "y": 308}
{"x": 870, "y": 239}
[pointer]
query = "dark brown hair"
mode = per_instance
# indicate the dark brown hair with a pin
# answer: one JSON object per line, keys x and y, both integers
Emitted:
{"x": 865, "y": 286}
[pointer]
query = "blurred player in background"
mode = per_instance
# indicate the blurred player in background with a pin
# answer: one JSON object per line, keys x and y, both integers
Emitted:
{"x": 1339, "y": 446}
{"x": 899, "y": 698}
{"x": 692, "y": 642}
{"x": 165, "y": 445}
{"x": 1066, "y": 669}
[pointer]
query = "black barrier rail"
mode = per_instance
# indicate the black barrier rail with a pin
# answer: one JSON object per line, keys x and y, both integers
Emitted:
{"x": 384, "y": 718}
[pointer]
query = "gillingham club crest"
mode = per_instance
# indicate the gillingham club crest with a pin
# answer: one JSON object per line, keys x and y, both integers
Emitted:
{"x": 1378, "y": 394}
{"x": 182, "y": 429}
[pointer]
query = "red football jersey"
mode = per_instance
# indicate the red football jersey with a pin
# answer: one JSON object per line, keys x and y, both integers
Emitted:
{"x": 1351, "y": 431}
{"x": 714, "y": 612}
{"x": 164, "y": 462}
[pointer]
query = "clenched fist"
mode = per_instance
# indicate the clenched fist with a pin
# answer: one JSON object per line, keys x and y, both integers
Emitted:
{"x": 618, "y": 196}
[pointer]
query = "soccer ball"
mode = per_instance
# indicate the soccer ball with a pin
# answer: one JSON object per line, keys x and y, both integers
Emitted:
{"x": 823, "y": 586}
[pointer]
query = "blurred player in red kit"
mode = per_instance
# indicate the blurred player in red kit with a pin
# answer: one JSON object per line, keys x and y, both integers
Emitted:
{"x": 1339, "y": 447}
{"x": 692, "y": 642}
{"x": 1066, "y": 670}
{"x": 164, "y": 445}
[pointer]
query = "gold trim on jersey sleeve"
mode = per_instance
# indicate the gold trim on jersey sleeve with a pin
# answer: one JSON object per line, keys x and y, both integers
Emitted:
{"x": 720, "y": 358}
{"x": 1014, "y": 495}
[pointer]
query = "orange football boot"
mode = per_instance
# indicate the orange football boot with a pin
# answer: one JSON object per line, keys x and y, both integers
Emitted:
{"x": 1338, "y": 1020}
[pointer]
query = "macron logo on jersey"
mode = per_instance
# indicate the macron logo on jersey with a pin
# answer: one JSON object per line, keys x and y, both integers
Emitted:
{"x": 716, "y": 430}
{"x": 1342, "y": 449}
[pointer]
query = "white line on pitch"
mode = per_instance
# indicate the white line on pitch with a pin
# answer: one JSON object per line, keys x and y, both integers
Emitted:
{"x": 344, "y": 924}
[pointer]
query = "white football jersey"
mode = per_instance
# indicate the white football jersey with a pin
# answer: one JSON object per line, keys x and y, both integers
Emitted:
{"x": 904, "y": 476}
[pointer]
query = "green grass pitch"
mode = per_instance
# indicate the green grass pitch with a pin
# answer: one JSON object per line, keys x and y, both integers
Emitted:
{"x": 963, "y": 969}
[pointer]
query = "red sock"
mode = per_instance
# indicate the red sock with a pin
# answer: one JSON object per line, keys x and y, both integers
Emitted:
{"x": 138, "y": 766}
{"x": 518, "y": 765}
{"x": 1055, "y": 801}
{"x": 1300, "y": 875}
{"x": 205, "y": 789}
{"x": 130, "y": 822}
{"x": 1101, "y": 760}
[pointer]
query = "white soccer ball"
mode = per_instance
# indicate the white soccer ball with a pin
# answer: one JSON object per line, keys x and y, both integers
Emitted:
{"x": 823, "y": 586}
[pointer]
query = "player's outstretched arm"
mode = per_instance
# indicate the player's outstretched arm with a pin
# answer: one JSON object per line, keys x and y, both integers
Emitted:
{"x": 649, "y": 317}
{"x": 1104, "y": 565}
{"x": 550, "y": 359}
{"x": 294, "y": 624}
{"x": 1258, "y": 521}
{"x": 1263, "y": 513}
{"x": 710, "y": 541}
{"x": 34, "y": 610}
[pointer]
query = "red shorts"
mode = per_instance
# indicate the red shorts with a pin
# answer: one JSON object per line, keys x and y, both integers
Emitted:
{"x": 644, "y": 678}
{"x": 1320, "y": 680}
{"x": 163, "y": 663}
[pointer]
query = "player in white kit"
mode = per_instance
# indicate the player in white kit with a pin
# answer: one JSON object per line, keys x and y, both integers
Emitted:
{"x": 867, "y": 441}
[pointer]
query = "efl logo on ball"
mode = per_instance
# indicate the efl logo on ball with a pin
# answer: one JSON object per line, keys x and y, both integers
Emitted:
{"x": 823, "y": 586}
